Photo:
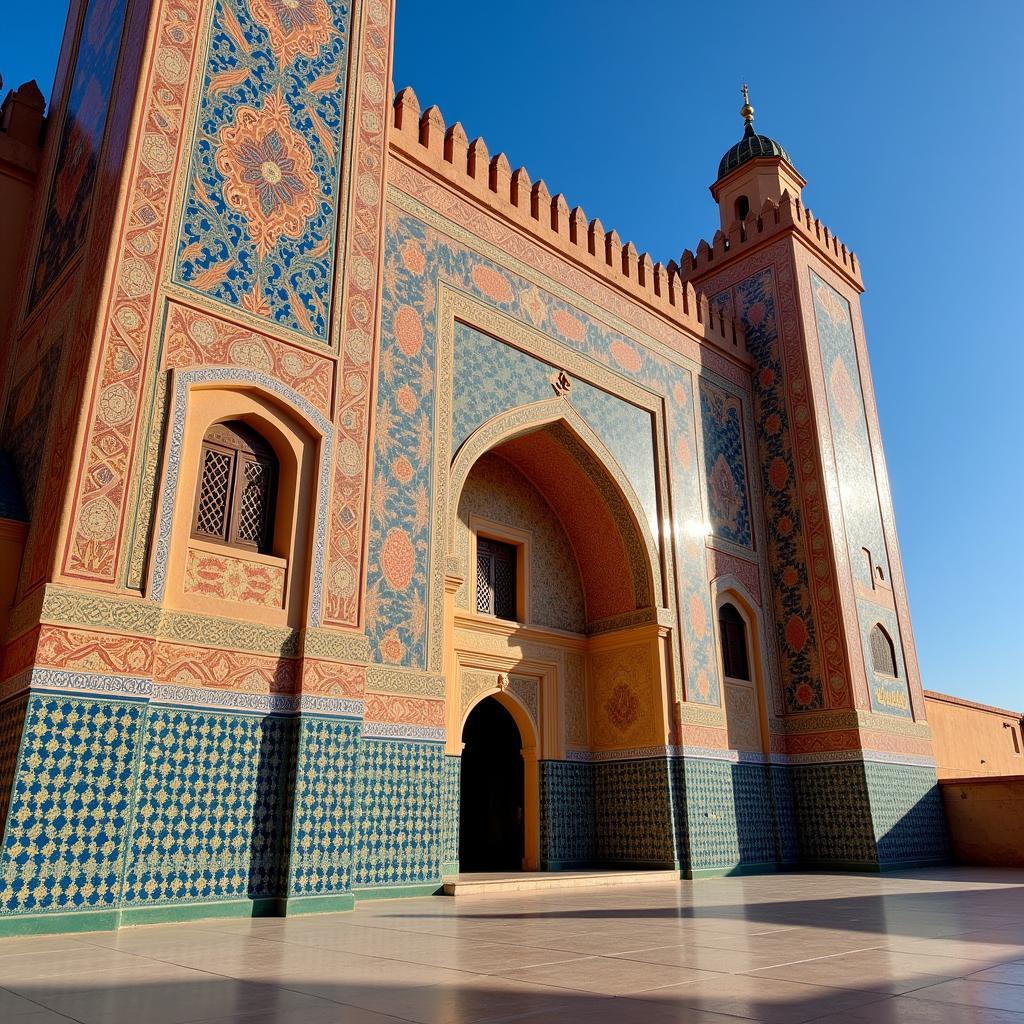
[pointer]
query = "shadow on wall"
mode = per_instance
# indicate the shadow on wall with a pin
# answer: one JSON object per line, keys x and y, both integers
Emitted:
{"x": 713, "y": 817}
{"x": 270, "y": 844}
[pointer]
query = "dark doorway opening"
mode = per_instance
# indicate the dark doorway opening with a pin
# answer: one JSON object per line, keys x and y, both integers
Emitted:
{"x": 491, "y": 830}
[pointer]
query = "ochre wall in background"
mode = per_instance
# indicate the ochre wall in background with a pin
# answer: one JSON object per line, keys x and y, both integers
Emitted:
{"x": 972, "y": 739}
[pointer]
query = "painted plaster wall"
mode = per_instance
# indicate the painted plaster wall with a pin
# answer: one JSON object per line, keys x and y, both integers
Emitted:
{"x": 420, "y": 260}
{"x": 753, "y": 298}
{"x": 495, "y": 490}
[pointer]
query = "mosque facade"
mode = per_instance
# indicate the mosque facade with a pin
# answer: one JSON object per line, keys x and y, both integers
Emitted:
{"x": 371, "y": 514}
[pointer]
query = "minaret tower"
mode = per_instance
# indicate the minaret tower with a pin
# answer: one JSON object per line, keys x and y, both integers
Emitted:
{"x": 756, "y": 169}
{"x": 855, "y": 733}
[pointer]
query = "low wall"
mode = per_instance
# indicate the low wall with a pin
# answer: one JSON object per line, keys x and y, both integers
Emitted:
{"x": 986, "y": 819}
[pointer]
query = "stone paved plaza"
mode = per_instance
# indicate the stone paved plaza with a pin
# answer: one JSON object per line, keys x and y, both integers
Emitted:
{"x": 936, "y": 945}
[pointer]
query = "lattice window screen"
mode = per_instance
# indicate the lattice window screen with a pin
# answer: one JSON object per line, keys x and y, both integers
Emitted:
{"x": 505, "y": 586}
{"x": 484, "y": 590}
{"x": 252, "y": 501}
{"x": 214, "y": 492}
{"x": 236, "y": 494}
{"x": 496, "y": 578}
{"x": 883, "y": 654}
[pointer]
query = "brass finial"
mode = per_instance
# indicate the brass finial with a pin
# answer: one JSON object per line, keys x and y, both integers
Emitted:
{"x": 747, "y": 111}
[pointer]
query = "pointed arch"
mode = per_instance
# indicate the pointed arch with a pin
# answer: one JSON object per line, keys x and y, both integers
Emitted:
{"x": 593, "y": 460}
{"x": 728, "y": 591}
{"x": 883, "y": 652}
{"x": 530, "y": 736}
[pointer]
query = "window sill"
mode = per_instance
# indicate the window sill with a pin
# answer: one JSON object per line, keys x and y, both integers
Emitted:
{"x": 231, "y": 551}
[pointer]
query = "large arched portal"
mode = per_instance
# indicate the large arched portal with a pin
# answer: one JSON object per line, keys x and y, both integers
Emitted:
{"x": 492, "y": 806}
{"x": 554, "y": 642}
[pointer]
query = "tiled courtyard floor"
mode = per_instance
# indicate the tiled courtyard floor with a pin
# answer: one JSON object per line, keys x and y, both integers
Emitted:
{"x": 914, "y": 948}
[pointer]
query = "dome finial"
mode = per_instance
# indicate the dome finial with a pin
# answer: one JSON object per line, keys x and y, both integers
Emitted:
{"x": 747, "y": 111}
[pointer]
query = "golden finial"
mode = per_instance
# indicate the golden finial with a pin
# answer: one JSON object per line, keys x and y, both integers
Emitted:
{"x": 747, "y": 111}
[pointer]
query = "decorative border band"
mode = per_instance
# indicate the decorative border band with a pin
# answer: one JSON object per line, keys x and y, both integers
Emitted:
{"x": 747, "y": 757}
{"x": 396, "y": 731}
{"x": 58, "y": 681}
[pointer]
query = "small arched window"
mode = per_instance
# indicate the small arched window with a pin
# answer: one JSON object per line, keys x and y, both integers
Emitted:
{"x": 733, "y": 632}
{"x": 883, "y": 654}
{"x": 742, "y": 208}
{"x": 237, "y": 488}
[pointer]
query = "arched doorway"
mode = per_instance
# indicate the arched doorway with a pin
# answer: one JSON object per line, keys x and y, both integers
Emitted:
{"x": 584, "y": 661}
{"x": 491, "y": 817}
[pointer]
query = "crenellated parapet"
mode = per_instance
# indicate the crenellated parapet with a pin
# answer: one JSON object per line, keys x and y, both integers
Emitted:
{"x": 744, "y": 236}
{"x": 423, "y": 137}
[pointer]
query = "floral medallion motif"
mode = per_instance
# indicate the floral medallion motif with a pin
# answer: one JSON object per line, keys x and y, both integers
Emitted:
{"x": 294, "y": 26}
{"x": 267, "y": 168}
{"x": 726, "y": 498}
{"x": 622, "y": 707}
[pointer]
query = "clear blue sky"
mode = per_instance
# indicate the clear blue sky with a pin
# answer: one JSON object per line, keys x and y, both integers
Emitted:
{"x": 906, "y": 123}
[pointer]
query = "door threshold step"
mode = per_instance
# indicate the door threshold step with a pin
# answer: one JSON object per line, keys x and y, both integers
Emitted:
{"x": 490, "y": 884}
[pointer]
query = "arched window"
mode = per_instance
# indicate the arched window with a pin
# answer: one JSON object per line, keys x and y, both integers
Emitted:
{"x": 733, "y": 632}
{"x": 742, "y": 208}
{"x": 883, "y": 654}
{"x": 237, "y": 488}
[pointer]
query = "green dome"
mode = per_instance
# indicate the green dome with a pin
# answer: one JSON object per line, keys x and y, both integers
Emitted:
{"x": 750, "y": 147}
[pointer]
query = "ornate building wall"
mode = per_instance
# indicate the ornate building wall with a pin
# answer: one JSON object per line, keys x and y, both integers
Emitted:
{"x": 422, "y": 337}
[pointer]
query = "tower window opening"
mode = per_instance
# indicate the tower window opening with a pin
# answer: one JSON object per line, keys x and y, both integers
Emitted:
{"x": 1016, "y": 741}
{"x": 733, "y": 632}
{"x": 883, "y": 653}
{"x": 237, "y": 488}
{"x": 496, "y": 578}
{"x": 742, "y": 208}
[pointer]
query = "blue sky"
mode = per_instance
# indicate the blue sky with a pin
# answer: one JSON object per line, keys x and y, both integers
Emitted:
{"x": 904, "y": 120}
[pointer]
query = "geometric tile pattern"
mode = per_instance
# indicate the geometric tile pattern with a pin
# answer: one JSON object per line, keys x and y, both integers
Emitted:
{"x": 729, "y": 814}
{"x": 633, "y": 812}
{"x": 451, "y": 770}
{"x": 217, "y": 805}
{"x": 258, "y": 226}
{"x": 785, "y": 812}
{"x": 12, "y": 721}
{"x": 210, "y": 807}
{"x": 833, "y": 813}
{"x": 398, "y": 827}
{"x": 69, "y": 815}
{"x": 567, "y": 814}
{"x": 907, "y": 812}
{"x": 325, "y": 801}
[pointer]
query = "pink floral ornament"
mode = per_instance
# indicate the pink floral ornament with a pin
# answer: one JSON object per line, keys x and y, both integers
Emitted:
{"x": 268, "y": 177}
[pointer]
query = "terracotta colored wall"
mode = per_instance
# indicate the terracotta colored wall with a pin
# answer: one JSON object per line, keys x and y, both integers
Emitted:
{"x": 972, "y": 739}
{"x": 21, "y": 121}
{"x": 986, "y": 820}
